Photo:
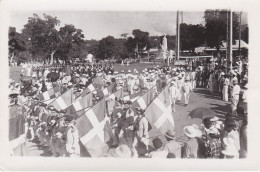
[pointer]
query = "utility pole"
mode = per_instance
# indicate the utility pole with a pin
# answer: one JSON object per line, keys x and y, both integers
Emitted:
{"x": 177, "y": 47}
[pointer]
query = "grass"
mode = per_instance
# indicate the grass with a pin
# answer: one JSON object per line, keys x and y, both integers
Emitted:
{"x": 15, "y": 71}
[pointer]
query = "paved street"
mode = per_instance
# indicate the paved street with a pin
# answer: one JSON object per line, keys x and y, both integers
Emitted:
{"x": 199, "y": 98}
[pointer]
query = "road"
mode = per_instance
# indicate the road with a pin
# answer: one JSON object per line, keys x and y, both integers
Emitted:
{"x": 199, "y": 98}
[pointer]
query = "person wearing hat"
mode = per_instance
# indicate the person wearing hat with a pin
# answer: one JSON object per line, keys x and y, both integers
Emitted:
{"x": 173, "y": 91}
{"x": 193, "y": 79}
{"x": 187, "y": 89}
{"x": 230, "y": 151}
{"x": 127, "y": 133}
{"x": 172, "y": 146}
{"x": 122, "y": 151}
{"x": 142, "y": 128}
{"x": 159, "y": 151}
{"x": 212, "y": 139}
{"x": 72, "y": 142}
{"x": 225, "y": 88}
{"x": 235, "y": 96}
{"x": 232, "y": 132}
{"x": 179, "y": 87}
{"x": 191, "y": 146}
{"x": 221, "y": 81}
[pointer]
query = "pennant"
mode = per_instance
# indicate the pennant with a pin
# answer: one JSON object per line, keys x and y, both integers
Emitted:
{"x": 159, "y": 112}
{"x": 63, "y": 101}
{"x": 50, "y": 94}
{"x": 91, "y": 127}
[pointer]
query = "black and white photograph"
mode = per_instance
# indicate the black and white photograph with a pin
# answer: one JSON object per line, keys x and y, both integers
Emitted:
{"x": 109, "y": 84}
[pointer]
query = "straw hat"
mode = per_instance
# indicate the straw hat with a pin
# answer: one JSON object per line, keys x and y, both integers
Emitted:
{"x": 215, "y": 118}
{"x": 190, "y": 131}
{"x": 170, "y": 134}
{"x": 123, "y": 151}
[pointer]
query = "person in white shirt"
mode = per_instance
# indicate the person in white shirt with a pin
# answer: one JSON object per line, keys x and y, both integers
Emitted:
{"x": 187, "y": 89}
{"x": 235, "y": 96}
{"x": 142, "y": 129}
{"x": 225, "y": 88}
{"x": 173, "y": 91}
{"x": 72, "y": 143}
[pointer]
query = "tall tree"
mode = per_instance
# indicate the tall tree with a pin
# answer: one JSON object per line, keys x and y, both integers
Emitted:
{"x": 42, "y": 34}
{"x": 107, "y": 48}
{"x": 191, "y": 36}
{"x": 216, "y": 27}
{"x": 71, "y": 42}
{"x": 16, "y": 42}
{"x": 141, "y": 39}
{"x": 244, "y": 34}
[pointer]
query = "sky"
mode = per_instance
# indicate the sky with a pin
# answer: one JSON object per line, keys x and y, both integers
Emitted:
{"x": 100, "y": 24}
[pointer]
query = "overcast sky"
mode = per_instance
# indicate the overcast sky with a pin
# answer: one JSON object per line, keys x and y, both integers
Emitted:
{"x": 99, "y": 24}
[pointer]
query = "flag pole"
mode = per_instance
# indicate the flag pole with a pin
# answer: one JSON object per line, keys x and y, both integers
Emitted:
{"x": 227, "y": 45}
{"x": 239, "y": 46}
{"x": 177, "y": 36}
{"x": 231, "y": 39}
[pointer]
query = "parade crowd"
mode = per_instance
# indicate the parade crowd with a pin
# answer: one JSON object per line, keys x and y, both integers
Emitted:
{"x": 55, "y": 131}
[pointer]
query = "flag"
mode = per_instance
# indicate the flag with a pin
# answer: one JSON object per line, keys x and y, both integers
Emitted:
{"x": 159, "y": 112}
{"x": 50, "y": 94}
{"x": 111, "y": 100}
{"x": 98, "y": 82}
{"x": 144, "y": 100}
{"x": 16, "y": 130}
{"x": 106, "y": 91}
{"x": 133, "y": 97}
{"x": 77, "y": 108}
{"x": 63, "y": 101}
{"x": 90, "y": 88}
{"x": 91, "y": 128}
{"x": 16, "y": 122}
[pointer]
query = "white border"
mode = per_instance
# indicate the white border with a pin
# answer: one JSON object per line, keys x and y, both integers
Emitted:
{"x": 41, "y": 163}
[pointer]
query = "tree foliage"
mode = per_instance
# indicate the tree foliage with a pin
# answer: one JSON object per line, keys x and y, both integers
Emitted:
{"x": 244, "y": 34}
{"x": 42, "y": 38}
{"x": 216, "y": 27}
{"x": 16, "y": 42}
{"x": 191, "y": 36}
{"x": 107, "y": 48}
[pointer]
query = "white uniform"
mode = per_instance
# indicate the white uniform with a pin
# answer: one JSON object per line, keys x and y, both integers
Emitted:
{"x": 225, "y": 90}
{"x": 72, "y": 143}
{"x": 235, "y": 97}
{"x": 142, "y": 132}
{"x": 186, "y": 89}
{"x": 173, "y": 90}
